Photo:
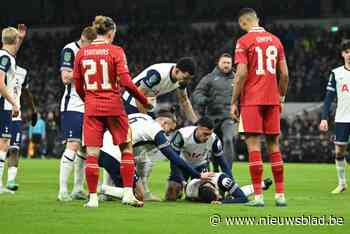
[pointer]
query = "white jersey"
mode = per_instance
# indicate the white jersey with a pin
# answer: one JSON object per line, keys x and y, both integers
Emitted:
{"x": 143, "y": 128}
{"x": 8, "y": 66}
{"x": 20, "y": 83}
{"x": 70, "y": 100}
{"x": 339, "y": 82}
{"x": 193, "y": 186}
{"x": 193, "y": 152}
{"x": 156, "y": 79}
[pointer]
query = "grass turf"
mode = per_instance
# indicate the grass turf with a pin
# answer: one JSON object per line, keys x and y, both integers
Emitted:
{"x": 34, "y": 209}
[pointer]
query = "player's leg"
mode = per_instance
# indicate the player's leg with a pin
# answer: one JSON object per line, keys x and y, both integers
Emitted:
{"x": 176, "y": 179}
{"x": 227, "y": 128}
{"x": 272, "y": 131}
{"x": 251, "y": 124}
{"x": 93, "y": 130}
{"x": 79, "y": 174}
{"x": 13, "y": 155}
{"x": 248, "y": 190}
{"x": 342, "y": 131}
{"x": 5, "y": 136}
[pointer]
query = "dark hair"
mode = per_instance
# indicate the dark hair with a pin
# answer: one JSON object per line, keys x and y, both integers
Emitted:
{"x": 345, "y": 44}
{"x": 224, "y": 55}
{"x": 167, "y": 113}
{"x": 205, "y": 122}
{"x": 187, "y": 64}
{"x": 206, "y": 194}
{"x": 103, "y": 24}
{"x": 245, "y": 11}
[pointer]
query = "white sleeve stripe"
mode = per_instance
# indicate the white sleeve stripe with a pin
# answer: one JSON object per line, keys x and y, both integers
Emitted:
{"x": 330, "y": 89}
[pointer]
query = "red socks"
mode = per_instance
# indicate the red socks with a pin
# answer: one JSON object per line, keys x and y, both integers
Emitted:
{"x": 256, "y": 170}
{"x": 277, "y": 171}
{"x": 92, "y": 172}
{"x": 127, "y": 169}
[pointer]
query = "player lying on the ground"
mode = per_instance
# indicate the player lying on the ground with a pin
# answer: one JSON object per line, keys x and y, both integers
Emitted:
{"x": 195, "y": 144}
{"x": 148, "y": 131}
{"x": 339, "y": 86}
{"x": 221, "y": 189}
{"x": 164, "y": 78}
{"x": 21, "y": 91}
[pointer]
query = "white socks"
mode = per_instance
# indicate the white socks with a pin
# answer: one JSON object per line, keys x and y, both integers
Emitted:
{"x": 11, "y": 174}
{"x": 66, "y": 167}
{"x": 249, "y": 190}
{"x": 79, "y": 173}
{"x": 340, "y": 166}
{"x": 2, "y": 165}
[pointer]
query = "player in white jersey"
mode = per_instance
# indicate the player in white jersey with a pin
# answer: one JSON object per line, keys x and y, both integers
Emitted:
{"x": 220, "y": 189}
{"x": 196, "y": 145}
{"x": 148, "y": 133}
{"x": 11, "y": 41}
{"x": 339, "y": 86}
{"x": 72, "y": 110}
{"x": 163, "y": 78}
{"x": 20, "y": 91}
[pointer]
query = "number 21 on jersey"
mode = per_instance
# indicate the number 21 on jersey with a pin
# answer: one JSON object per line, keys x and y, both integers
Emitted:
{"x": 91, "y": 70}
{"x": 270, "y": 62}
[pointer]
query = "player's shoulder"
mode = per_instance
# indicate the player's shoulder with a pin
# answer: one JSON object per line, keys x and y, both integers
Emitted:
{"x": 6, "y": 54}
{"x": 73, "y": 46}
{"x": 140, "y": 116}
{"x": 162, "y": 68}
{"x": 187, "y": 131}
{"x": 338, "y": 69}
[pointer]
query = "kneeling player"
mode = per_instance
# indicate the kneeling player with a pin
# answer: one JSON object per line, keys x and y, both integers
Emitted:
{"x": 221, "y": 189}
{"x": 195, "y": 144}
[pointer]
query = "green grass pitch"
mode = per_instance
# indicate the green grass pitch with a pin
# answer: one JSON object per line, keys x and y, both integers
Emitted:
{"x": 34, "y": 209}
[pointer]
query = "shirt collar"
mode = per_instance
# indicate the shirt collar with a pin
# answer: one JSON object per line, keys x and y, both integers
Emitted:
{"x": 257, "y": 29}
{"x": 99, "y": 41}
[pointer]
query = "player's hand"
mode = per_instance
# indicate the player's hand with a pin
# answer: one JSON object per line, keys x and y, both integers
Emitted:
{"x": 22, "y": 31}
{"x": 324, "y": 125}
{"x": 150, "y": 103}
{"x": 205, "y": 176}
{"x": 234, "y": 112}
{"x": 34, "y": 119}
{"x": 15, "y": 111}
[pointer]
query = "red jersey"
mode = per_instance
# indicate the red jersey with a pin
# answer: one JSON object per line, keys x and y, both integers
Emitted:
{"x": 100, "y": 69}
{"x": 261, "y": 51}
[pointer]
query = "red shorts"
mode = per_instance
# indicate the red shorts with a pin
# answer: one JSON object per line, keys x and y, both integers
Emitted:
{"x": 94, "y": 128}
{"x": 260, "y": 119}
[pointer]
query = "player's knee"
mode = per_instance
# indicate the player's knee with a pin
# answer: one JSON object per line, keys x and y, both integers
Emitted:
{"x": 174, "y": 191}
{"x": 95, "y": 151}
{"x": 73, "y": 145}
{"x": 340, "y": 151}
{"x": 4, "y": 144}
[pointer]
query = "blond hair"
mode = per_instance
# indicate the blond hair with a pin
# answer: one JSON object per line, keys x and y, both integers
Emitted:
{"x": 9, "y": 36}
{"x": 103, "y": 24}
{"x": 89, "y": 33}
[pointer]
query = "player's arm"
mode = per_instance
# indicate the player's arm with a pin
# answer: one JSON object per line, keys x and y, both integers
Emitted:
{"x": 218, "y": 156}
{"x": 282, "y": 71}
{"x": 5, "y": 64}
{"x": 28, "y": 99}
{"x": 186, "y": 105}
{"x": 139, "y": 106}
{"x": 78, "y": 78}
{"x": 330, "y": 95}
{"x": 241, "y": 59}
{"x": 22, "y": 31}
{"x": 67, "y": 65}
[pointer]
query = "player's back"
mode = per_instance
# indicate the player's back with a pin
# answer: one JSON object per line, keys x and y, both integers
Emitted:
{"x": 100, "y": 64}
{"x": 261, "y": 51}
{"x": 8, "y": 66}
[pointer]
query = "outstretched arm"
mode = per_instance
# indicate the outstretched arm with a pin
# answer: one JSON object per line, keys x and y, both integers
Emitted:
{"x": 186, "y": 105}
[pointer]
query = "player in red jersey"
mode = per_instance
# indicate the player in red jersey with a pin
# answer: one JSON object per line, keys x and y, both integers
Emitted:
{"x": 100, "y": 71}
{"x": 260, "y": 85}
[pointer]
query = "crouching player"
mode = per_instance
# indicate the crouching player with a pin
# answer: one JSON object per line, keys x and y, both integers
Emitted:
{"x": 195, "y": 144}
{"x": 221, "y": 189}
{"x": 20, "y": 91}
{"x": 145, "y": 131}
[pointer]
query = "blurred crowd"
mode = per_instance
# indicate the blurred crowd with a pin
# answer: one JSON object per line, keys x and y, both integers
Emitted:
{"x": 311, "y": 53}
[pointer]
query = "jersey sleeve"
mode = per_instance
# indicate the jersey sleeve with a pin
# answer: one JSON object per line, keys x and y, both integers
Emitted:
{"x": 5, "y": 63}
{"x": 217, "y": 149}
{"x": 177, "y": 141}
{"x": 331, "y": 86}
{"x": 67, "y": 59}
{"x": 151, "y": 81}
{"x": 241, "y": 53}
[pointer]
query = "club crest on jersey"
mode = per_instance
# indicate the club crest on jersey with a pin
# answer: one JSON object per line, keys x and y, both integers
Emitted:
{"x": 345, "y": 88}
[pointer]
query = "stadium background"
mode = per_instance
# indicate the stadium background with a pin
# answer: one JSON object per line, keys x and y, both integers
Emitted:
{"x": 156, "y": 31}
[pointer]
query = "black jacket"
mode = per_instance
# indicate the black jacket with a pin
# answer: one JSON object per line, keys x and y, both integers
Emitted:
{"x": 213, "y": 95}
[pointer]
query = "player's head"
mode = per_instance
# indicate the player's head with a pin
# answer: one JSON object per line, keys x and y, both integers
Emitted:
{"x": 207, "y": 193}
{"x": 225, "y": 63}
{"x": 184, "y": 70}
{"x": 88, "y": 35}
{"x": 205, "y": 128}
{"x": 9, "y": 36}
{"x": 167, "y": 120}
{"x": 105, "y": 26}
{"x": 247, "y": 18}
{"x": 345, "y": 51}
